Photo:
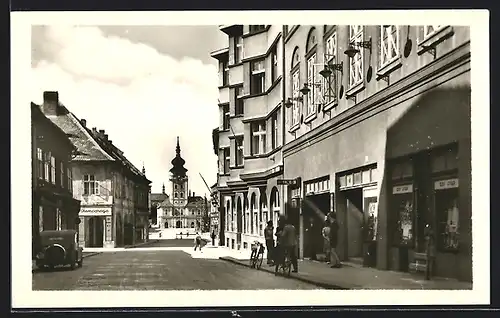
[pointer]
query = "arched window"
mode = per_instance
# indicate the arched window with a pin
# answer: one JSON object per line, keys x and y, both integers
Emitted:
{"x": 246, "y": 209}
{"x": 275, "y": 205}
{"x": 313, "y": 77}
{"x": 263, "y": 216}
{"x": 295, "y": 78}
{"x": 255, "y": 211}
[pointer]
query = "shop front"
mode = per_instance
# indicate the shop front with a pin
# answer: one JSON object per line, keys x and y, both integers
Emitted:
{"x": 357, "y": 213}
{"x": 96, "y": 227}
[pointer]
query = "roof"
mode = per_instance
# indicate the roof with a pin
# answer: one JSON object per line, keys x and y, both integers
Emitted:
{"x": 219, "y": 52}
{"x": 38, "y": 115}
{"x": 195, "y": 201}
{"x": 158, "y": 197}
{"x": 166, "y": 203}
{"x": 87, "y": 148}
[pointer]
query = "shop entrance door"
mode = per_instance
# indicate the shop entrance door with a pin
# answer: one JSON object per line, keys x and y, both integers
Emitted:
{"x": 355, "y": 221}
{"x": 96, "y": 232}
{"x": 316, "y": 208}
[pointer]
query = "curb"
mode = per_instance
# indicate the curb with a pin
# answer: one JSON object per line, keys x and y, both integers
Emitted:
{"x": 305, "y": 280}
{"x": 142, "y": 244}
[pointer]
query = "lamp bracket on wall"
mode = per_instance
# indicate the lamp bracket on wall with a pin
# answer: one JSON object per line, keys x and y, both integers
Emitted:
{"x": 351, "y": 97}
{"x": 385, "y": 78}
{"x": 430, "y": 49}
{"x": 352, "y": 50}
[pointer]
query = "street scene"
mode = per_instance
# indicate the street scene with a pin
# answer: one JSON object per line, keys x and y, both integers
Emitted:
{"x": 248, "y": 157}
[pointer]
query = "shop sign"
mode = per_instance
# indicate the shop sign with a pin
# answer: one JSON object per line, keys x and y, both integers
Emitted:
{"x": 446, "y": 184}
{"x": 408, "y": 188}
{"x": 94, "y": 211}
{"x": 291, "y": 182}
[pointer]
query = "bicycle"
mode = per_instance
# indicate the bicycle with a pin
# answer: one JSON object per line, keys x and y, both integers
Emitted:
{"x": 286, "y": 265}
{"x": 257, "y": 255}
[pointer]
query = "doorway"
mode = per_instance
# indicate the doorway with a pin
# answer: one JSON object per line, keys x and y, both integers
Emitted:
{"x": 316, "y": 207}
{"x": 355, "y": 222}
{"x": 166, "y": 225}
{"x": 96, "y": 232}
{"x": 178, "y": 224}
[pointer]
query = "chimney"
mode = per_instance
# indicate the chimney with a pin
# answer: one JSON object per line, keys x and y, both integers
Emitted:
{"x": 106, "y": 136}
{"x": 84, "y": 122}
{"x": 194, "y": 194}
{"x": 101, "y": 132}
{"x": 50, "y": 103}
{"x": 94, "y": 130}
{"x": 189, "y": 193}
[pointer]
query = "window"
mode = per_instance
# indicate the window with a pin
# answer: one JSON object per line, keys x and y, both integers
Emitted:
{"x": 274, "y": 64}
{"x": 46, "y": 164}
{"x": 224, "y": 72}
{"x": 175, "y": 186}
{"x": 39, "y": 157}
{"x": 330, "y": 83}
{"x": 176, "y": 195}
{"x": 239, "y": 151}
{"x": 258, "y": 131}
{"x": 69, "y": 175}
{"x": 90, "y": 185}
{"x": 225, "y": 118}
{"x": 257, "y": 77}
{"x": 238, "y": 107}
{"x": 430, "y": 30}
{"x": 227, "y": 160}
{"x": 274, "y": 130}
{"x": 256, "y": 28}
{"x": 238, "y": 49}
{"x": 295, "y": 97}
{"x": 356, "y": 62}
{"x": 182, "y": 195}
{"x": 52, "y": 169}
{"x": 389, "y": 44}
{"x": 61, "y": 174}
{"x": 311, "y": 96}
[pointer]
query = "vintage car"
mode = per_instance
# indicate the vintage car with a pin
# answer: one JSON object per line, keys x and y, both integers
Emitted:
{"x": 59, "y": 248}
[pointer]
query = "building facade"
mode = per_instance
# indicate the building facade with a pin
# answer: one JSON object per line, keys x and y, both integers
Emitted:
{"x": 113, "y": 193}
{"x": 53, "y": 205}
{"x": 156, "y": 200}
{"x": 250, "y": 135}
{"x": 377, "y": 130}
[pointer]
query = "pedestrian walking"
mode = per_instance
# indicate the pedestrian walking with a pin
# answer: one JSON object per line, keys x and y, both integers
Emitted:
{"x": 268, "y": 234}
{"x": 326, "y": 240}
{"x": 334, "y": 229}
{"x": 311, "y": 234}
{"x": 213, "y": 238}
{"x": 197, "y": 241}
{"x": 288, "y": 242}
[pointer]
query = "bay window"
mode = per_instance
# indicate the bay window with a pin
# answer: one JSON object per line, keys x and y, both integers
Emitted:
{"x": 90, "y": 185}
{"x": 274, "y": 64}
{"x": 258, "y": 132}
{"x": 227, "y": 159}
{"x": 239, "y": 151}
{"x": 257, "y": 77}
{"x": 274, "y": 130}
{"x": 238, "y": 108}
{"x": 225, "y": 118}
{"x": 356, "y": 62}
{"x": 238, "y": 49}
{"x": 389, "y": 44}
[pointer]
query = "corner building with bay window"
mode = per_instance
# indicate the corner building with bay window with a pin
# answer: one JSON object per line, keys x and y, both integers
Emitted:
{"x": 381, "y": 136}
{"x": 250, "y": 134}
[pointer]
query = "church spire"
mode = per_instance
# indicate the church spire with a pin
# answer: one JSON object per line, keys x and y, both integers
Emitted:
{"x": 163, "y": 188}
{"x": 178, "y": 170}
{"x": 178, "y": 148}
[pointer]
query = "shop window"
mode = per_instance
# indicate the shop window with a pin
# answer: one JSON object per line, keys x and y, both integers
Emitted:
{"x": 403, "y": 206}
{"x": 447, "y": 211}
{"x": 342, "y": 182}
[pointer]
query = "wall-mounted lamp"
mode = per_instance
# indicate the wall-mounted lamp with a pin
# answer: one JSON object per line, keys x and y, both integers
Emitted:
{"x": 290, "y": 100}
{"x": 305, "y": 90}
{"x": 327, "y": 71}
{"x": 352, "y": 50}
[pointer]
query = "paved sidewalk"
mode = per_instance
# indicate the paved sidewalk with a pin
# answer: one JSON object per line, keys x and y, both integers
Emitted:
{"x": 354, "y": 277}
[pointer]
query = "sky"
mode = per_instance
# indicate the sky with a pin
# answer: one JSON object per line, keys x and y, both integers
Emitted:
{"x": 144, "y": 85}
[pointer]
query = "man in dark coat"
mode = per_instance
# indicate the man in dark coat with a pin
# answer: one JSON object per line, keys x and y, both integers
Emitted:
{"x": 268, "y": 234}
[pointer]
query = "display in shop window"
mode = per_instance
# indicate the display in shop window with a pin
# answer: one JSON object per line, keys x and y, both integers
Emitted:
{"x": 446, "y": 201}
{"x": 403, "y": 203}
{"x": 371, "y": 220}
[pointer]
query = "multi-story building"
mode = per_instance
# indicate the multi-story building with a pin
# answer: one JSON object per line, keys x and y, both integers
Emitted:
{"x": 53, "y": 205}
{"x": 250, "y": 135}
{"x": 214, "y": 210}
{"x": 113, "y": 193}
{"x": 156, "y": 200}
{"x": 378, "y": 132}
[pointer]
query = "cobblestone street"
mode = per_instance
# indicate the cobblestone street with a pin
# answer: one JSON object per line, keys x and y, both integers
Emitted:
{"x": 159, "y": 267}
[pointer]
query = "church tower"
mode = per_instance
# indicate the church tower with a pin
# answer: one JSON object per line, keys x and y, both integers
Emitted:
{"x": 179, "y": 183}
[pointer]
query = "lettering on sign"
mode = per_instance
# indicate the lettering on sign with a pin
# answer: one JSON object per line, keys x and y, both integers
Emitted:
{"x": 408, "y": 188}
{"x": 446, "y": 184}
{"x": 94, "y": 211}
{"x": 287, "y": 181}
